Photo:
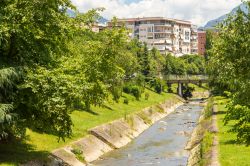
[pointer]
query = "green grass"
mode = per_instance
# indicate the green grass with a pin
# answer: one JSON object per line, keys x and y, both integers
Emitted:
{"x": 230, "y": 152}
{"x": 38, "y": 145}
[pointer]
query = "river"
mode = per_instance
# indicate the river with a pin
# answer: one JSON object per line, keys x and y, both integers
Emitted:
{"x": 161, "y": 145}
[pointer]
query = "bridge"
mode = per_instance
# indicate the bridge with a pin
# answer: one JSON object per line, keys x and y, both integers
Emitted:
{"x": 185, "y": 79}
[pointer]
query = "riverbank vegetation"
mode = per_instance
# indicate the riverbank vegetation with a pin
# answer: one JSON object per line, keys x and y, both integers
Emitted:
{"x": 231, "y": 152}
{"x": 49, "y": 67}
{"x": 58, "y": 78}
{"x": 229, "y": 71}
{"x": 38, "y": 145}
{"x": 206, "y": 134}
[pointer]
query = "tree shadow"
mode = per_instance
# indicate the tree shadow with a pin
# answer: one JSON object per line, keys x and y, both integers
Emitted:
{"x": 219, "y": 112}
{"x": 17, "y": 152}
{"x": 82, "y": 108}
{"x": 107, "y": 107}
{"x": 232, "y": 141}
{"x": 90, "y": 111}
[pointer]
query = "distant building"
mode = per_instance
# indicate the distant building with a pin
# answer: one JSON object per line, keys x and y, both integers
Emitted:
{"x": 201, "y": 42}
{"x": 98, "y": 27}
{"x": 167, "y": 35}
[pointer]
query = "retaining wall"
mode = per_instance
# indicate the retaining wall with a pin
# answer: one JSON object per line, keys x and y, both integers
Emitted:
{"x": 113, "y": 135}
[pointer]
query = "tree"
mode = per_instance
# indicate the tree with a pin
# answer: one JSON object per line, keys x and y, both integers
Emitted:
{"x": 195, "y": 64}
{"x": 32, "y": 33}
{"x": 229, "y": 66}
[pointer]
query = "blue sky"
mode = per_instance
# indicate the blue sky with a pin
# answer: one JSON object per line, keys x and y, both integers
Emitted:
{"x": 196, "y": 11}
{"x": 131, "y": 1}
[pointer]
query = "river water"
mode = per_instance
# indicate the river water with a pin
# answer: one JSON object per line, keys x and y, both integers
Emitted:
{"x": 161, "y": 145}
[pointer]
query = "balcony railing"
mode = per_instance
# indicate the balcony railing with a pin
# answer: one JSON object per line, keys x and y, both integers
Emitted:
{"x": 162, "y": 24}
{"x": 185, "y": 77}
{"x": 163, "y": 31}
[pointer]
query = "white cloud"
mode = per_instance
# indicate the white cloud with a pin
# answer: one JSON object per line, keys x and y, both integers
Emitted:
{"x": 197, "y": 11}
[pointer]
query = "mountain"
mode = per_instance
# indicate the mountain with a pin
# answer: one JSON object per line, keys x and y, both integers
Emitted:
{"x": 211, "y": 24}
{"x": 101, "y": 20}
{"x": 71, "y": 13}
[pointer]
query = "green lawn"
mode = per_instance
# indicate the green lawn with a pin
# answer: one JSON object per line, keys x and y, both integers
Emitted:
{"x": 230, "y": 153}
{"x": 38, "y": 145}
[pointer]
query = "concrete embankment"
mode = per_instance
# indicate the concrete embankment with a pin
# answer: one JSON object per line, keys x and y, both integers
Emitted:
{"x": 195, "y": 143}
{"x": 199, "y": 95}
{"x": 113, "y": 135}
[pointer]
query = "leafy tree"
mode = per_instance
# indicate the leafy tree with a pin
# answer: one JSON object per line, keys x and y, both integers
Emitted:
{"x": 195, "y": 64}
{"x": 209, "y": 39}
{"x": 187, "y": 64}
{"x": 174, "y": 65}
{"x": 31, "y": 33}
{"x": 8, "y": 77}
{"x": 229, "y": 66}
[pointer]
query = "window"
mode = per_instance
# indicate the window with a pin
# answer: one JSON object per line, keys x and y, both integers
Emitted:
{"x": 150, "y": 29}
{"x": 187, "y": 35}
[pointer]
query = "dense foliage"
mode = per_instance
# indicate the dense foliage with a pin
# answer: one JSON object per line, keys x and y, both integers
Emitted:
{"x": 185, "y": 65}
{"x": 51, "y": 64}
{"x": 32, "y": 34}
{"x": 229, "y": 69}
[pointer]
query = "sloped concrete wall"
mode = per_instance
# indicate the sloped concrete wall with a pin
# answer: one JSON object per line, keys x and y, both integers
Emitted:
{"x": 194, "y": 144}
{"x": 205, "y": 94}
{"x": 113, "y": 135}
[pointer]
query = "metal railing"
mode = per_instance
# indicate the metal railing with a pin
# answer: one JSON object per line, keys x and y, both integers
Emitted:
{"x": 185, "y": 77}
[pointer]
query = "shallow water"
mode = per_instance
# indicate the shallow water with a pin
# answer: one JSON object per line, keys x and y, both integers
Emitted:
{"x": 162, "y": 144}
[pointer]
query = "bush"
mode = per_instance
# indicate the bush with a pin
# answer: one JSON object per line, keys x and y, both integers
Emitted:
{"x": 125, "y": 101}
{"x": 187, "y": 92}
{"x": 117, "y": 93}
{"x": 158, "y": 85}
{"x": 146, "y": 96}
{"x": 127, "y": 89}
{"x": 135, "y": 91}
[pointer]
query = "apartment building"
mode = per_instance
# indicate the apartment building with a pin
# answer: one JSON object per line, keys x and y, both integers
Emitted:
{"x": 167, "y": 35}
{"x": 201, "y": 42}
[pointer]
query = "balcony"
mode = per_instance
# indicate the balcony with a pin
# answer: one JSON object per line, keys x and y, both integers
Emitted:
{"x": 163, "y": 24}
{"x": 169, "y": 48}
{"x": 162, "y": 31}
{"x": 160, "y": 48}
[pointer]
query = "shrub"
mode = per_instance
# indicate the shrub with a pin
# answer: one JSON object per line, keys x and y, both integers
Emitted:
{"x": 158, "y": 85}
{"x": 135, "y": 90}
{"x": 125, "y": 101}
{"x": 116, "y": 92}
{"x": 146, "y": 96}
{"x": 127, "y": 89}
{"x": 169, "y": 88}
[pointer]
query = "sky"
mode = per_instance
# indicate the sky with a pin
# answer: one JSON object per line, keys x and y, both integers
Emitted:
{"x": 196, "y": 11}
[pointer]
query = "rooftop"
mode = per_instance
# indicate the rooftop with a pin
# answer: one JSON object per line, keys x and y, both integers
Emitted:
{"x": 154, "y": 19}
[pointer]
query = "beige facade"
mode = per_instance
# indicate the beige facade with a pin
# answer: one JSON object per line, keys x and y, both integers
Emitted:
{"x": 167, "y": 35}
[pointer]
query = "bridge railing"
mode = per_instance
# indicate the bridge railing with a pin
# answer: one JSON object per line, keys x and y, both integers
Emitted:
{"x": 185, "y": 77}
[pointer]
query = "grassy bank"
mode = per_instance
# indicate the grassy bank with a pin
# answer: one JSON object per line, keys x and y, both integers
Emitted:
{"x": 230, "y": 152}
{"x": 39, "y": 145}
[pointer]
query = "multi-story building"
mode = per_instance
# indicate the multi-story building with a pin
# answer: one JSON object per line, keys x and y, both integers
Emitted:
{"x": 167, "y": 35}
{"x": 201, "y": 42}
{"x": 194, "y": 39}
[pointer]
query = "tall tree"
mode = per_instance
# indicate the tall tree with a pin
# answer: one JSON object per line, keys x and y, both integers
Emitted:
{"x": 229, "y": 66}
{"x": 32, "y": 33}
